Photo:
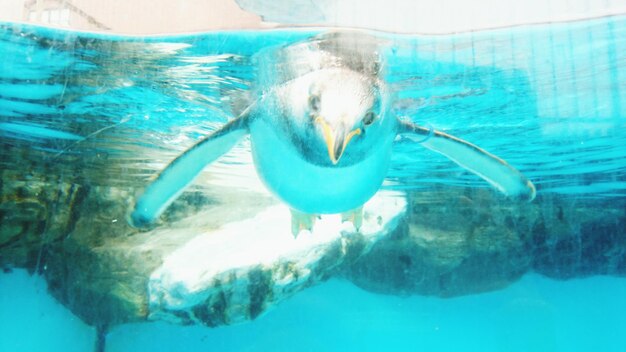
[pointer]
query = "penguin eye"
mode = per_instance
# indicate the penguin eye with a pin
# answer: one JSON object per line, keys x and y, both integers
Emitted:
{"x": 369, "y": 118}
{"x": 314, "y": 103}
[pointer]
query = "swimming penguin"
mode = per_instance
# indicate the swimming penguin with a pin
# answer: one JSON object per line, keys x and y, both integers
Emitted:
{"x": 321, "y": 131}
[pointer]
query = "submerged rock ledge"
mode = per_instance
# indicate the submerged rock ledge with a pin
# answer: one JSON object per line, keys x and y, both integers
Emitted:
{"x": 224, "y": 255}
{"x": 240, "y": 270}
{"x": 231, "y": 260}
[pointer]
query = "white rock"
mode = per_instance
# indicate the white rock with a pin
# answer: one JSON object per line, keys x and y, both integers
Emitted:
{"x": 240, "y": 270}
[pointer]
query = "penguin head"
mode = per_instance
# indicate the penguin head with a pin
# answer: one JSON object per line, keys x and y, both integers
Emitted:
{"x": 341, "y": 116}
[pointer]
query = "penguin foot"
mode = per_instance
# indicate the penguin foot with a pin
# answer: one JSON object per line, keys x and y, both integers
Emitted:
{"x": 355, "y": 216}
{"x": 301, "y": 221}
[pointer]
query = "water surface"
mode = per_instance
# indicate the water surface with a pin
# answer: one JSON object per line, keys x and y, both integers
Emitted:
{"x": 549, "y": 99}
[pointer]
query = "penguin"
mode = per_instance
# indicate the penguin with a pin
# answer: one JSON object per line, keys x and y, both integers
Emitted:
{"x": 322, "y": 130}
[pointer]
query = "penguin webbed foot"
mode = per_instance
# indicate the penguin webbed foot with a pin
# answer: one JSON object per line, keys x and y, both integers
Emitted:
{"x": 301, "y": 221}
{"x": 354, "y": 216}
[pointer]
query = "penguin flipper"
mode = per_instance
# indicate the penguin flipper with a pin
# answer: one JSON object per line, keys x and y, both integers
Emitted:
{"x": 491, "y": 168}
{"x": 183, "y": 170}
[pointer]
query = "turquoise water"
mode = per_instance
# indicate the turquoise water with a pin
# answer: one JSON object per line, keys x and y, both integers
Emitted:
{"x": 534, "y": 314}
{"x": 549, "y": 99}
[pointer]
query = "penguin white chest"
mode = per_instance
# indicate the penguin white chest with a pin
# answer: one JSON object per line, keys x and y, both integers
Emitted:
{"x": 312, "y": 188}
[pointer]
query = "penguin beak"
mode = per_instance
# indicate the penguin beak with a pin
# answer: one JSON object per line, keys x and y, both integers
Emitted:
{"x": 336, "y": 141}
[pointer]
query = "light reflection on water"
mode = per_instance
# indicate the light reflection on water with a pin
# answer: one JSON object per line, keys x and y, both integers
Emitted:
{"x": 547, "y": 99}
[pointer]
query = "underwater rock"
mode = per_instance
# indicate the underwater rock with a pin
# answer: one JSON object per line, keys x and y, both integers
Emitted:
{"x": 456, "y": 244}
{"x": 580, "y": 237}
{"x": 464, "y": 242}
{"x": 101, "y": 270}
{"x": 229, "y": 261}
{"x": 36, "y": 210}
{"x": 242, "y": 269}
